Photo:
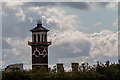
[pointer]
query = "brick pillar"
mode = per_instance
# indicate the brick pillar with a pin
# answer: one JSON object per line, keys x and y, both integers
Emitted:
{"x": 75, "y": 66}
{"x": 60, "y": 67}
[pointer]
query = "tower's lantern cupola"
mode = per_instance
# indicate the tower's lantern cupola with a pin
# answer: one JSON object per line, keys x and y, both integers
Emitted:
{"x": 39, "y": 45}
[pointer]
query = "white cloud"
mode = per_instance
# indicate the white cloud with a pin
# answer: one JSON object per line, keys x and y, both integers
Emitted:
{"x": 68, "y": 43}
{"x": 112, "y": 5}
{"x": 17, "y": 44}
{"x": 20, "y": 14}
{"x": 104, "y": 46}
{"x": 107, "y": 5}
{"x": 14, "y": 4}
{"x": 69, "y": 36}
{"x": 54, "y": 18}
{"x": 13, "y": 10}
{"x": 104, "y": 43}
{"x": 19, "y": 52}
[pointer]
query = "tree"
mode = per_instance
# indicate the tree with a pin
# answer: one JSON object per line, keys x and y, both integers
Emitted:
{"x": 15, "y": 76}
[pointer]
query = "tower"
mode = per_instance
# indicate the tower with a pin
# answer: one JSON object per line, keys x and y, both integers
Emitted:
{"x": 39, "y": 46}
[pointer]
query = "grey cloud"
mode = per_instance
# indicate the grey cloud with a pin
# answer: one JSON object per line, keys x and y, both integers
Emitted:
{"x": 119, "y": 30}
{"x": 9, "y": 56}
{"x": 37, "y": 4}
{"x": 10, "y": 59}
{"x": 12, "y": 26}
{"x": 66, "y": 50}
{"x": 100, "y": 4}
{"x": 76, "y": 5}
{"x": 103, "y": 4}
{"x": 118, "y": 16}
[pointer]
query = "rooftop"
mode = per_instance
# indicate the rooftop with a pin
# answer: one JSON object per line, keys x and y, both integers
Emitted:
{"x": 39, "y": 27}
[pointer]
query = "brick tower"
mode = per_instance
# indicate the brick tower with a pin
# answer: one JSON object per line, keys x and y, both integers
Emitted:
{"x": 39, "y": 46}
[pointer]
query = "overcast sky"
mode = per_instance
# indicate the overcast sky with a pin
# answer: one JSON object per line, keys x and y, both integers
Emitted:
{"x": 80, "y": 31}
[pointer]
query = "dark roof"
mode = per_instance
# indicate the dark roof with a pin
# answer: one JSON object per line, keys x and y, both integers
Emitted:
{"x": 39, "y": 28}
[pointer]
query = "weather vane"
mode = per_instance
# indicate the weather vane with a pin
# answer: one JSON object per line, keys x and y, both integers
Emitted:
{"x": 39, "y": 21}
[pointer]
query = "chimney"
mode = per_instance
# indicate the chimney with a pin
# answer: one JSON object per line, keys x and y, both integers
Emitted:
{"x": 75, "y": 66}
{"x": 60, "y": 67}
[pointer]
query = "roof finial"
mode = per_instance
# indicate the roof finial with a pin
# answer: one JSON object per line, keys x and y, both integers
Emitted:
{"x": 39, "y": 21}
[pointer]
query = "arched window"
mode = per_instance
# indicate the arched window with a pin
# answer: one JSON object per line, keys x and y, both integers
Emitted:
{"x": 42, "y": 37}
{"x": 34, "y": 37}
{"x": 45, "y": 37}
{"x": 38, "y": 37}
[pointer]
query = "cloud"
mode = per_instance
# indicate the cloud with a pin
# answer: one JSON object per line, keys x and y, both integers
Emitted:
{"x": 104, "y": 46}
{"x": 75, "y": 5}
{"x": 61, "y": 1}
{"x": 74, "y": 43}
{"x": 107, "y": 5}
{"x": 100, "y": 46}
{"x": 21, "y": 15}
{"x": 68, "y": 43}
{"x": 14, "y": 4}
{"x": 112, "y": 5}
{"x": 0, "y": 36}
{"x": 12, "y": 21}
{"x": 17, "y": 31}
{"x": 19, "y": 52}
{"x": 104, "y": 43}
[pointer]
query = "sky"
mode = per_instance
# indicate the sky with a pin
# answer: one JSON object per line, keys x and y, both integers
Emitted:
{"x": 79, "y": 31}
{"x": 61, "y": 0}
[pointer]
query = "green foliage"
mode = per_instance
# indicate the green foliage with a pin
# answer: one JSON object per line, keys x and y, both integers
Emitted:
{"x": 15, "y": 76}
{"x": 99, "y": 71}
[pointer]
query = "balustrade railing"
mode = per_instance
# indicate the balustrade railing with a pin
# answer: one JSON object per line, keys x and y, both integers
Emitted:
{"x": 38, "y": 43}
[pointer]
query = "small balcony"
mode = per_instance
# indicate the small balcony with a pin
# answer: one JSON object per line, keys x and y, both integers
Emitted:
{"x": 39, "y": 43}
